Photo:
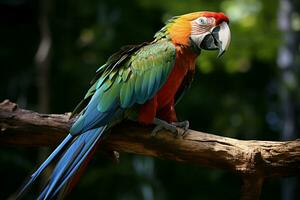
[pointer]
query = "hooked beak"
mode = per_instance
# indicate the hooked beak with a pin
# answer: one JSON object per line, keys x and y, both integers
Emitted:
{"x": 217, "y": 39}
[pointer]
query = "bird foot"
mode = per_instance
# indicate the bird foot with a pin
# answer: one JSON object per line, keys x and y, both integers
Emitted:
{"x": 177, "y": 128}
{"x": 184, "y": 125}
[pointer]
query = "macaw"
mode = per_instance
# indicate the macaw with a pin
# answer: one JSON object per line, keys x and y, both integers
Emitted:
{"x": 140, "y": 83}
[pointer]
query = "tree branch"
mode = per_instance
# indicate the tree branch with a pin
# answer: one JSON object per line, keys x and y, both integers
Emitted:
{"x": 253, "y": 160}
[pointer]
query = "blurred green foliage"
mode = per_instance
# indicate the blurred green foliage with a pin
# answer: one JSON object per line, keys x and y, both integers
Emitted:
{"x": 235, "y": 96}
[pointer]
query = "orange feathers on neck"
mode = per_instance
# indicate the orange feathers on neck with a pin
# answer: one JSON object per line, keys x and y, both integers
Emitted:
{"x": 180, "y": 29}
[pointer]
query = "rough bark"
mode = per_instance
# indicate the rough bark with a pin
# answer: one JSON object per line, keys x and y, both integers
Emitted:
{"x": 253, "y": 160}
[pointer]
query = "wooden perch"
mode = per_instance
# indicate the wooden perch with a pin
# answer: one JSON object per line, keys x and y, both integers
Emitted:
{"x": 252, "y": 160}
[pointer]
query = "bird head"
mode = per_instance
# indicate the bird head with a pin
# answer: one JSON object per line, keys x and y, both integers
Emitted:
{"x": 200, "y": 30}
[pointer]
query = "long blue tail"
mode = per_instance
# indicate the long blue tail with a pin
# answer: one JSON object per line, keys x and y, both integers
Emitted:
{"x": 43, "y": 166}
{"x": 68, "y": 163}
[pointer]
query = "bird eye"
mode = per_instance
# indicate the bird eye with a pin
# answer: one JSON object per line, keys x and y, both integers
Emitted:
{"x": 202, "y": 20}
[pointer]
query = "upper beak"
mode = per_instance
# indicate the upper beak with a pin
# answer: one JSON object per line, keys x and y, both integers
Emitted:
{"x": 223, "y": 37}
{"x": 219, "y": 38}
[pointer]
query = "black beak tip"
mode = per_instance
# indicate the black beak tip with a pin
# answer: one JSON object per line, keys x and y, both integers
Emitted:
{"x": 221, "y": 53}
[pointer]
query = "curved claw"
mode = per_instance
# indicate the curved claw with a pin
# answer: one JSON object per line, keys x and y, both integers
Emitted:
{"x": 173, "y": 127}
{"x": 184, "y": 125}
{"x": 163, "y": 125}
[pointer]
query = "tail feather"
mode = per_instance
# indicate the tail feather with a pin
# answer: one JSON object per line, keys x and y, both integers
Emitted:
{"x": 75, "y": 178}
{"x": 71, "y": 161}
{"x": 52, "y": 156}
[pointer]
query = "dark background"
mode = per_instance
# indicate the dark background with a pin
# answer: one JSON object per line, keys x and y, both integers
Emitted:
{"x": 49, "y": 51}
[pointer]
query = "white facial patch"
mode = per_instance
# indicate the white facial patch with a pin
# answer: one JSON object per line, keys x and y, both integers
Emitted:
{"x": 200, "y": 28}
{"x": 197, "y": 39}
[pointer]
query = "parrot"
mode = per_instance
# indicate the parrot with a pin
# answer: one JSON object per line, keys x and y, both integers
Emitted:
{"x": 141, "y": 83}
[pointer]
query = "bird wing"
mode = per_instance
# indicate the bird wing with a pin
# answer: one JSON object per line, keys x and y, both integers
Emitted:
{"x": 114, "y": 61}
{"x": 131, "y": 76}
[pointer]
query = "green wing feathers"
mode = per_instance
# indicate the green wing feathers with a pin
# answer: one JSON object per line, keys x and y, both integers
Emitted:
{"x": 138, "y": 79}
{"x": 133, "y": 77}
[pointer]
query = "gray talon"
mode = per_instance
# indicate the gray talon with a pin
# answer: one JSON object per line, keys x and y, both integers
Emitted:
{"x": 173, "y": 127}
{"x": 160, "y": 125}
{"x": 184, "y": 124}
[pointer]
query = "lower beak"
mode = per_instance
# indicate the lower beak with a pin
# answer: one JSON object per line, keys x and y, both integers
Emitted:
{"x": 218, "y": 39}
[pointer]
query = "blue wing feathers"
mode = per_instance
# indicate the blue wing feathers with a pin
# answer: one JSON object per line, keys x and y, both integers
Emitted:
{"x": 93, "y": 117}
{"x": 151, "y": 84}
{"x": 126, "y": 94}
